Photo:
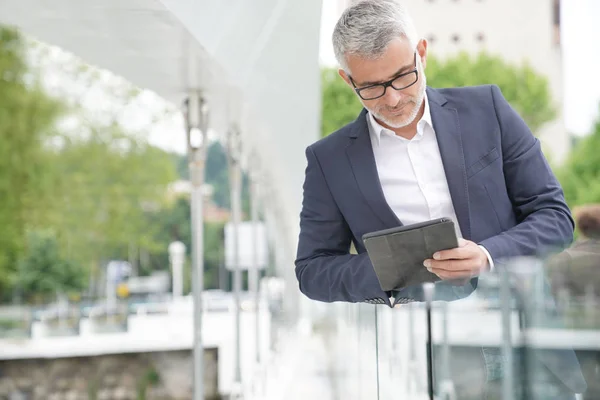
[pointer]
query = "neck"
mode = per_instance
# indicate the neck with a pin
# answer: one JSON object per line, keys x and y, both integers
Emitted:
{"x": 409, "y": 131}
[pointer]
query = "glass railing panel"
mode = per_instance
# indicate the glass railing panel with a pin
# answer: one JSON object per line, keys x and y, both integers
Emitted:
{"x": 518, "y": 336}
{"x": 561, "y": 327}
{"x": 368, "y": 364}
{"x": 459, "y": 345}
{"x": 353, "y": 351}
{"x": 401, "y": 352}
{"x": 470, "y": 348}
{"x": 343, "y": 348}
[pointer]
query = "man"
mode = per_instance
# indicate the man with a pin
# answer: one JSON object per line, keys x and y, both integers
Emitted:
{"x": 415, "y": 154}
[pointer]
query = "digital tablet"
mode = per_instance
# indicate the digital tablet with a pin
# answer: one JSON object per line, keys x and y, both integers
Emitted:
{"x": 397, "y": 254}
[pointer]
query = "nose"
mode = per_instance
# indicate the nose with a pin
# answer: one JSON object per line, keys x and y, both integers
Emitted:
{"x": 392, "y": 97}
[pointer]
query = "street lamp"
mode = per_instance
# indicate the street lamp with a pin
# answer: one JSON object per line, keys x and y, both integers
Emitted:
{"x": 254, "y": 278}
{"x": 234, "y": 155}
{"x": 196, "y": 121}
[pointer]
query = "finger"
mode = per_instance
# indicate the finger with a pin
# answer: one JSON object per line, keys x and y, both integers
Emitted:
{"x": 453, "y": 254}
{"x": 448, "y": 275}
{"x": 462, "y": 242}
{"x": 451, "y": 265}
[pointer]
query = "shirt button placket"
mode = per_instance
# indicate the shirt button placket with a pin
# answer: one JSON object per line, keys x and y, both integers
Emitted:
{"x": 421, "y": 168}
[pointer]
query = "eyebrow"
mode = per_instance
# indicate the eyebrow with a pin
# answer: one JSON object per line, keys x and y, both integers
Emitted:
{"x": 402, "y": 70}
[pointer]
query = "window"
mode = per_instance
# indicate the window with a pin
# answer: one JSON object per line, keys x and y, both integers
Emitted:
{"x": 431, "y": 38}
{"x": 455, "y": 38}
{"x": 480, "y": 37}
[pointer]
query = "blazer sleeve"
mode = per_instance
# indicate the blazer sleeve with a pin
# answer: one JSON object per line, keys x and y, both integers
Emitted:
{"x": 325, "y": 269}
{"x": 544, "y": 219}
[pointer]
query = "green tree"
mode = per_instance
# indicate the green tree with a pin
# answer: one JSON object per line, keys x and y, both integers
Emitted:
{"x": 181, "y": 165}
{"x": 217, "y": 175}
{"x": 92, "y": 186}
{"x": 109, "y": 181}
{"x": 27, "y": 118}
{"x": 339, "y": 103}
{"x": 525, "y": 89}
{"x": 580, "y": 174}
{"x": 43, "y": 272}
{"x": 214, "y": 254}
{"x": 174, "y": 223}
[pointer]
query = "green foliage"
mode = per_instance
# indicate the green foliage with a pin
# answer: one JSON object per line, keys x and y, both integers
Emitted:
{"x": 93, "y": 188}
{"x": 108, "y": 180}
{"x": 100, "y": 191}
{"x": 27, "y": 116}
{"x": 181, "y": 165}
{"x": 526, "y": 90}
{"x": 580, "y": 174}
{"x": 149, "y": 378}
{"x": 214, "y": 253}
{"x": 217, "y": 175}
{"x": 339, "y": 104}
{"x": 174, "y": 223}
{"x": 43, "y": 271}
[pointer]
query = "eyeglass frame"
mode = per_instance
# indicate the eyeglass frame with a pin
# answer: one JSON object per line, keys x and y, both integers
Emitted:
{"x": 388, "y": 83}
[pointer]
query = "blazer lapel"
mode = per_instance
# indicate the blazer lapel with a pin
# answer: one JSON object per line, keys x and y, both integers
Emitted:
{"x": 362, "y": 161}
{"x": 447, "y": 130}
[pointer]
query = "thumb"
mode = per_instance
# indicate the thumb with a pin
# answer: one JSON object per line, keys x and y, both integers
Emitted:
{"x": 462, "y": 242}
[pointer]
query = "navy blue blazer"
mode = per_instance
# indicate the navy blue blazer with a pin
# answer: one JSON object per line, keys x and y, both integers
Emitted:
{"x": 504, "y": 193}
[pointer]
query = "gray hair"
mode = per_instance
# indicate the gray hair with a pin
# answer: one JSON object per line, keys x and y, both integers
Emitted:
{"x": 367, "y": 28}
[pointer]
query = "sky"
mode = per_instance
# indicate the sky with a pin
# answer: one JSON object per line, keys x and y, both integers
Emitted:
{"x": 581, "y": 63}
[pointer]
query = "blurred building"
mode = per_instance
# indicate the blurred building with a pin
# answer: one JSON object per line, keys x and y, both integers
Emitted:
{"x": 516, "y": 30}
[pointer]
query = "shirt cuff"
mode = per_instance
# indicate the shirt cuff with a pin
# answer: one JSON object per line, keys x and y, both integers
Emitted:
{"x": 489, "y": 257}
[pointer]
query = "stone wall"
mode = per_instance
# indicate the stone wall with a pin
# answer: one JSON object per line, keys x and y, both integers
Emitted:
{"x": 139, "y": 376}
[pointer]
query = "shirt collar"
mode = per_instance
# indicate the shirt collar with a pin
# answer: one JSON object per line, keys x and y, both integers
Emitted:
{"x": 375, "y": 128}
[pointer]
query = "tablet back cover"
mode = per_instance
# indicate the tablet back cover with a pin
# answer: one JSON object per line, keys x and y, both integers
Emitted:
{"x": 398, "y": 257}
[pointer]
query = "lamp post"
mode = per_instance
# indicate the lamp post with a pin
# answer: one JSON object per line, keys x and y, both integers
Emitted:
{"x": 196, "y": 120}
{"x": 254, "y": 278}
{"x": 177, "y": 257}
{"x": 234, "y": 153}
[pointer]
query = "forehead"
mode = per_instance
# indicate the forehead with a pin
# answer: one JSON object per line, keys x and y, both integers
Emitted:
{"x": 399, "y": 53}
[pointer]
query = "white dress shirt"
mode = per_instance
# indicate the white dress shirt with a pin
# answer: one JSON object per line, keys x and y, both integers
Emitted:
{"x": 412, "y": 174}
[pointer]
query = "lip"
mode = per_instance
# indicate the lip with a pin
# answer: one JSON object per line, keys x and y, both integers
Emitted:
{"x": 398, "y": 111}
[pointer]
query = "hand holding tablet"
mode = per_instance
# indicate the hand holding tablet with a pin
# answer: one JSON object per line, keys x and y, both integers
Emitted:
{"x": 398, "y": 254}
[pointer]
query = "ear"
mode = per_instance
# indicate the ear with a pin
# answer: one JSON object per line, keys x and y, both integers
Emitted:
{"x": 345, "y": 77}
{"x": 422, "y": 51}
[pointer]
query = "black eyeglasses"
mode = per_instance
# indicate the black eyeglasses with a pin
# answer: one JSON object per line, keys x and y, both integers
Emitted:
{"x": 399, "y": 82}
